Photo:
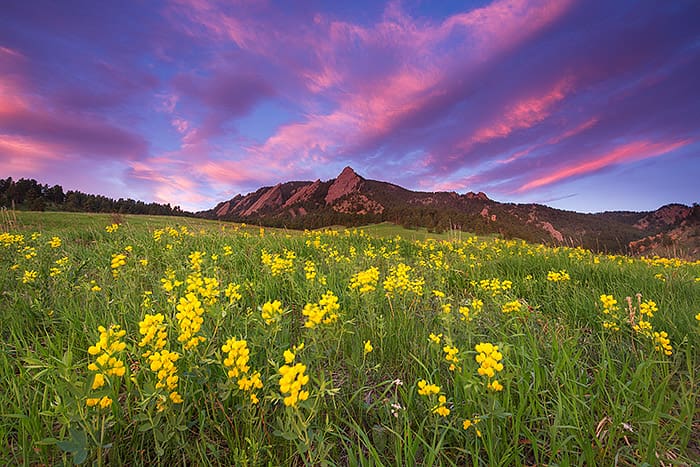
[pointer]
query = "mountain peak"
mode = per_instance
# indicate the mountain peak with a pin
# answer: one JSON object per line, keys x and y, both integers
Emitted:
{"x": 348, "y": 172}
{"x": 347, "y": 182}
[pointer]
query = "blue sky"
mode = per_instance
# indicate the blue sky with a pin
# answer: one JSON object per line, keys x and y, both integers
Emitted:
{"x": 588, "y": 106}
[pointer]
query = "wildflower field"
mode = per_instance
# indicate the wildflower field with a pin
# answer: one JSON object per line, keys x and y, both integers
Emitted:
{"x": 144, "y": 340}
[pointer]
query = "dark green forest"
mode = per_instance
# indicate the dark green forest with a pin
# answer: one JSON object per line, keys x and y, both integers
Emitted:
{"x": 28, "y": 194}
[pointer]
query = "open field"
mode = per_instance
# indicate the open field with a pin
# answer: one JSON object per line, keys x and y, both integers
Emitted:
{"x": 183, "y": 341}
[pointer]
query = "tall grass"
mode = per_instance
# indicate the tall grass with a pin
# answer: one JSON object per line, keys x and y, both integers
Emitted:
{"x": 575, "y": 392}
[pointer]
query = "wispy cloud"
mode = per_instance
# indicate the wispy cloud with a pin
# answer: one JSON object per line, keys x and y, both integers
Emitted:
{"x": 633, "y": 151}
{"x": 196, "y": 99}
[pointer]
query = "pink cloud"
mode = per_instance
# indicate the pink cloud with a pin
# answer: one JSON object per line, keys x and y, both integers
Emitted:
{"x": 629, "y": 152}
{"x": 39, "y": 123}
{"x": 227, "y": 173}
{"x": 24, "y": 156}
{"x": 411, "y": 64}
{"x": 11, "y": 52}
{"x": 522, "y": 114}
{"x": 167, "y": 183}
{"x": 590, "y": 123}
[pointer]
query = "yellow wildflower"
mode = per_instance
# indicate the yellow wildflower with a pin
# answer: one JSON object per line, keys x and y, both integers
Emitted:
{"x": 511, "y": 306}
{"x": 662, "y": 343}
{"x": 426, "y": 389}
{"x": 399, "y": 281}
{"x": 237, "y": 357}
{"x": 118, "y": 260}
{"x": 365, "y": 281}
{"x": 558, "y": 276}
{"x": 436, "y": 338}
{"x": 322, "y": 312}
{"x": 271, "y": 311}
{"x": 292, "y": 382}
{"x": 441, "y": 409}
{"x": 29, "y": 277}
{"x": 152, "y": 328}
{"x": 451, "y": 356}
{"x": 189, "y": 318}
{"x": 489, "y": 359}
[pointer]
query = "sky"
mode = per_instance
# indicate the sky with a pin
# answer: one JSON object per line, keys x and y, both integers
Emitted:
{"x": 584, "y": 105}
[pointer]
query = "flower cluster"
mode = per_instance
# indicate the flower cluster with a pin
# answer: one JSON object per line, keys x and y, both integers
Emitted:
{"x": 426, "y": 389}
{"x": 112, "y": 228}
{"x": 451, "y": 356}
{"x": 648, "y": 308}
{"x": 399, "y": 281}
{"x": 310, "y": 270}
{"x": 495, "y": 286}
{"x": 58, "y": 269}
{"x": 163, "y": 364}
{"x": 233, "y": 293}
{"x": 250, "y": 383}
{"x": 237, "y": 357}
{"x": 489, "y": 359}
{"x": 189, "y": 319}
{"x": 322, "y": 312}
{"x": 152, "y": 328}
{"x": 196, "y": 259}
{"x": 441, "y": 409}
{"x": 365, "y": 281}
{"x": 436, "y": 338}
{"x": 512, "y": 306}
{"x": 271, "y": 311}
{"x": 118, "y": 260}
{"x": 29, "y": 277}
{"x": 279, "y": 264}
{"x": 210, "y": 291}
{"x": 169, "y": 282}
{"x": 106, "y": 363}
{"x": 558, "y": 276}
{"x": 662, "y": 343}
{"x": 236, "y": 361}
{"x": 471, "y": 423}
{"x": 55, "y": 242}
{"x": 293, "y": 379}
{"x": 611, "y": 311}
{"x": 103, "y": 402}
{"x": 646, "y": 311}
{"x": 467, "y": 313}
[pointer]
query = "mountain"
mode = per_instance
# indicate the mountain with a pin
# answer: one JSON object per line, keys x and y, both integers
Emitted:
{"x": 352, "y": 200}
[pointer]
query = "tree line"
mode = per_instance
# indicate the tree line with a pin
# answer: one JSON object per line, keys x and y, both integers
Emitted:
{"x": 28, "y": 194}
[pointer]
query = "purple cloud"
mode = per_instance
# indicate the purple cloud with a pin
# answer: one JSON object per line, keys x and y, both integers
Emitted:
{"x": 191, "y": 100}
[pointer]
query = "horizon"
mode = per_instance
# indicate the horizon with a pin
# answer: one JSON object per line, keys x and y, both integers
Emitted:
{"x": 578, "y": 106}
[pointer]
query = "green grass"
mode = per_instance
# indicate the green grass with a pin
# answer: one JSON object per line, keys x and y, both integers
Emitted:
{"x": 574, "y": 392}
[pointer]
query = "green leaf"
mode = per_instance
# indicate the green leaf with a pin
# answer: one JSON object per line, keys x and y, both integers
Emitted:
{"x": 67, "y": 358}
{"x": 68, "y": 445}
{"x": 47, "y": 442}
{"x": 77, "y": 442}
{"x": 80, "y": 456}
{"x": 145, "y": 427}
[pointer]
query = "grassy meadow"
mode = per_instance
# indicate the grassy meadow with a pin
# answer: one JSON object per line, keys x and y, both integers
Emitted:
{"x": 134, "y": 340}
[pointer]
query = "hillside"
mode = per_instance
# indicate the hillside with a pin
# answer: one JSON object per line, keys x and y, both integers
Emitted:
{"x": 29, "y": 195}
{"x": 350, "y": 200}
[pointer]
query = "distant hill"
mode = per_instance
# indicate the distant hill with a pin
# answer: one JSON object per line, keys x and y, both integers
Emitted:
{"x": 352, "y": 200}
{"x": 28, "y": 194}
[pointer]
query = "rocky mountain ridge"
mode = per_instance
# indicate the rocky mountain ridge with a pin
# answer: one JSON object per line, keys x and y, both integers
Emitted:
{"x": 350, "y": 199}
